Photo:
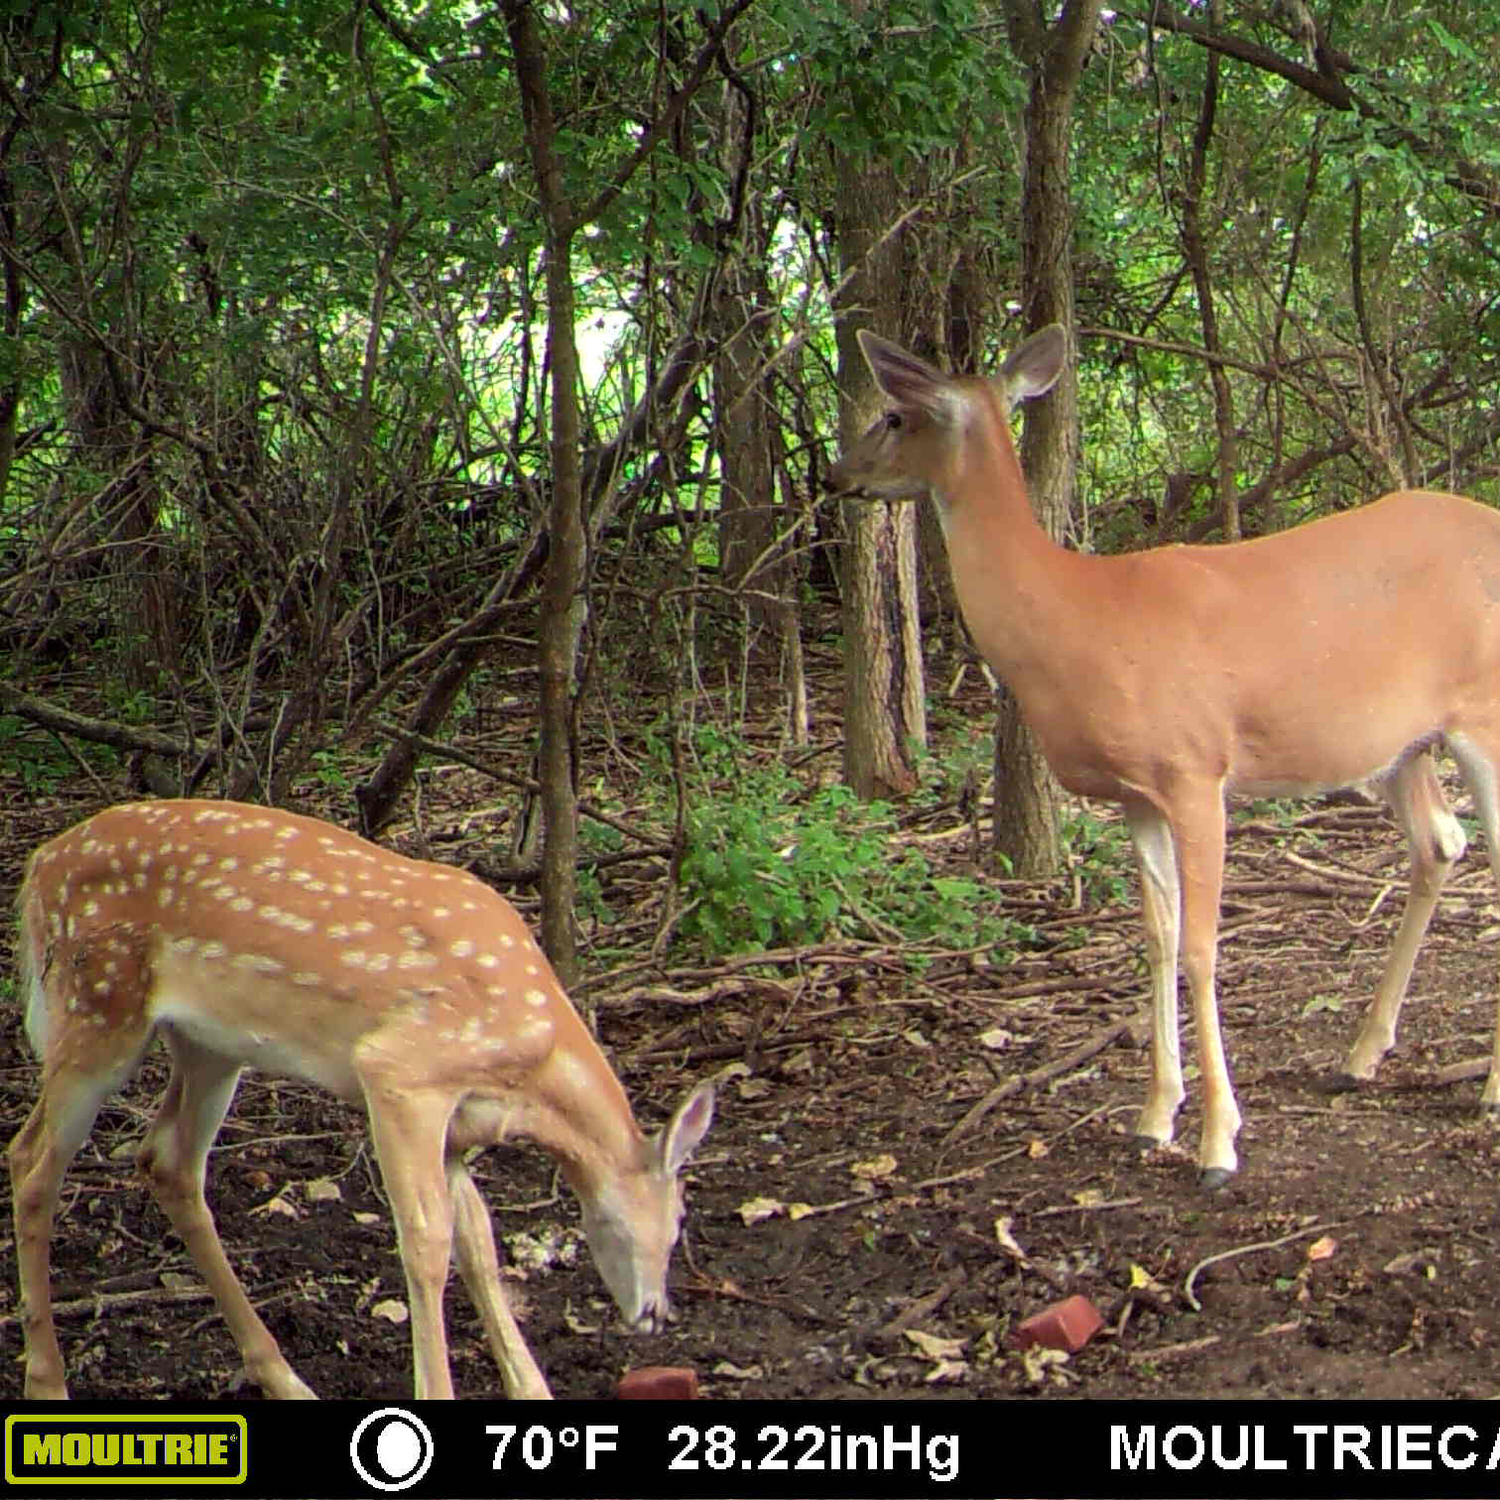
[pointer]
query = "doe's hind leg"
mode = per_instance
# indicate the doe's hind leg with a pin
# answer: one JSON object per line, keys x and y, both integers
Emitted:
{"x": 1478, "y": 758}
{"x": 1436, "y": 842}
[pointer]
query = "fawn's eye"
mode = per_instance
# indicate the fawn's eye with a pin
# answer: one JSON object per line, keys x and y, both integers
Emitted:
{"x": 893, "y": 421}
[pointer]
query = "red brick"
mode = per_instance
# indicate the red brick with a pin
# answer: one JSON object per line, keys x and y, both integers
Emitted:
{"x": 658, "y": 1383}
{"x": 1067, "y": 1325}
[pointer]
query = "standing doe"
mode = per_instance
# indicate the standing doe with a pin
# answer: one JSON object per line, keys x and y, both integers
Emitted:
{"x": 1344, "y": 650}
{"x": 247, "y": 937}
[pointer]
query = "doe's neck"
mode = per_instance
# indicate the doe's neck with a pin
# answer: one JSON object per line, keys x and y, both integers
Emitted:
{"x": 1016, "y": 585}
{"x": 983, "y": 497}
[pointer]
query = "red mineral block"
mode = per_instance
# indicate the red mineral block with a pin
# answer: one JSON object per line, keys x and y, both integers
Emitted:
{"x": 658, "y": 1383}
{"x": 1067, "y": 1325}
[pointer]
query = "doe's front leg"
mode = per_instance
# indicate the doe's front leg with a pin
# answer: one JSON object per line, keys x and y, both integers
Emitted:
{"x": 1156, "y": 859}
{"x": 1200, "y": 845}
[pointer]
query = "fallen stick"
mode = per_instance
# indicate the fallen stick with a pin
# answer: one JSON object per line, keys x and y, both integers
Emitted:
{"x": 110, "y": 1301}
{"x": 1238, "y": 1250}
{"x": 1172, "y": 1351}
{"x": 917, "y": 1309}
{"x": 1042, "y": 1075}
{"x": 1083, "y": 1208}
{"x": 1459, "y": 1072}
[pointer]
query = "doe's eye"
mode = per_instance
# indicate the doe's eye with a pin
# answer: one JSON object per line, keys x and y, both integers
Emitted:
{"x": 893, "y": 421}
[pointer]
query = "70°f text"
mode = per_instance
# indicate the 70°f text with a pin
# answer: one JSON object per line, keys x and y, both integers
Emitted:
{"x": 537, "y": 1445}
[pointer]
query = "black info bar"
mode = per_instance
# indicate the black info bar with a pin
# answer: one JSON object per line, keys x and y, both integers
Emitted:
{"x": 861, "y": 1450}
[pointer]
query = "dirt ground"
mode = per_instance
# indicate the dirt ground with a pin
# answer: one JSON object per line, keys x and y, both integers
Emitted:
{"x": 843, "y": 1241}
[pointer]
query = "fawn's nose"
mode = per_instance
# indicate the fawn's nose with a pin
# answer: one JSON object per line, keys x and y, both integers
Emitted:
{"x": 653, "y": 1317}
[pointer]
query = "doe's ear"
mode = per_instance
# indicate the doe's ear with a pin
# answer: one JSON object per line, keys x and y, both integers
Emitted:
{"x": 907, "y": 380}
{"x": 1033, "y": 367}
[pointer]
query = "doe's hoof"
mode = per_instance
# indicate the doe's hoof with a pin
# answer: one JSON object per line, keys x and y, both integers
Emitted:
{"x": 1211, "y": 1179}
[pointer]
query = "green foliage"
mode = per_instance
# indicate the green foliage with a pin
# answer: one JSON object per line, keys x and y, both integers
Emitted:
{"x": 898, "y": 77}
{"x": 1279, "y": 811}
{"x": 38, "y": 760}
{"x": 773, "y": 865}
{"x": 590, "y": 902}
{"x": 1100, "y": 858}
{"x": 308, "y": 236}
{"x": 957, "y": 755}
{"x": 330, "y": 771}
{"x": 760, "y": 873}
{"x": 1333, "y": 1004}
{"x": 130, "y": 705}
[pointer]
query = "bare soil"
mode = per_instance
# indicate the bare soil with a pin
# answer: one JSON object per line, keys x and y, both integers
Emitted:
{"x": 849, "y": 1235}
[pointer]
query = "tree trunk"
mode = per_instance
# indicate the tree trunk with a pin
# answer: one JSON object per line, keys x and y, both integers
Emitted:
{"x": 1195, "y": 250}
{"x": 747, "y": 518}
{"x": 143, "y": 607}
{"x": 742, "y": 428}
{"x": 885, "y": 709}
{"x": 753, "y": 555}
{"x": 564, "y": 607}
{"x": 1026, "y": 793}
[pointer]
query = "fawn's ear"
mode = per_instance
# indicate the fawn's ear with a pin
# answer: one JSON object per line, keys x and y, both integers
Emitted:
{"x": 1033, "y": 367}
{"x": 687, "y": 1127}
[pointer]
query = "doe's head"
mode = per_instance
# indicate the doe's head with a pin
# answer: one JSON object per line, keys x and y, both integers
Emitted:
{"x": 912, "y": 445}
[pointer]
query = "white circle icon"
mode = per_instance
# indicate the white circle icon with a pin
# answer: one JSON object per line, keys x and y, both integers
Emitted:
{"x": 396, "y": 1453}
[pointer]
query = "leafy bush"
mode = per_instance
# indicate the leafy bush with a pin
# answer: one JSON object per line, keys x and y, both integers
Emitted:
{"x": 1099, "y": 853}
{"x": 39, "y": 760}
{"x": 775, "y": 866}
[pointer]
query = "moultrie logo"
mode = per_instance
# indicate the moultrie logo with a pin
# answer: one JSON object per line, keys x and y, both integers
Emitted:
{"x": 116, "y": 1450}
{"x": 391, "y": 1449}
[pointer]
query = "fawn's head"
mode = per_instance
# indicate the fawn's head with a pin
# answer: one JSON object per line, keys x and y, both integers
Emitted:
{"x": 632, "y": 1219}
